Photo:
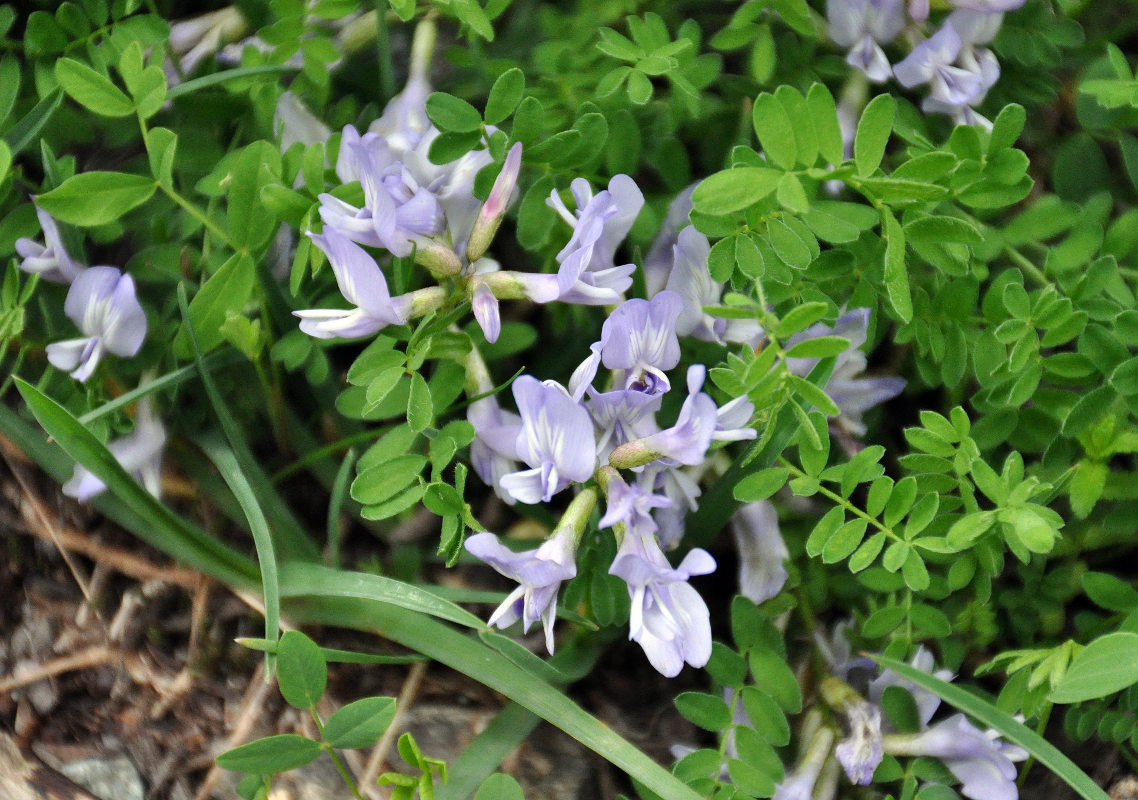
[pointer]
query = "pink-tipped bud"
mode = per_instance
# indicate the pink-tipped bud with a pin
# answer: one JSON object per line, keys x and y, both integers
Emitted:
{"x": 490, "y": 216}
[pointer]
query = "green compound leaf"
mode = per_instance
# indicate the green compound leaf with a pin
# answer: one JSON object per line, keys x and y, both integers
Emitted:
{"x": 989, "y": 716}
{"x": 872, "y": 134}
{"x": 1109, "y": 664}
{"x": 301, "y": 672}
{"x": 734, "y": 189}
{"x": 96, "y": 198}
{"x": 271, "y": 755}
{"x": 92, "y": 89}
{"x": 360, "y": 724}
{"x": 451, "y": 113}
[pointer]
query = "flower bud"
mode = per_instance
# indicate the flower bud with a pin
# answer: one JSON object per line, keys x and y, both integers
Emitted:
{"x": 490, "y": 216}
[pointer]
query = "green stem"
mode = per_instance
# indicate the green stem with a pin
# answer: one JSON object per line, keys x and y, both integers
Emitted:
{"x": 843, "y": 502}
{"x": 383, "y": 52}
{"x": 347, "y": 776}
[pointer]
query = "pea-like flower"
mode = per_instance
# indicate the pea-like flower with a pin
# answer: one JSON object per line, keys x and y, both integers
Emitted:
{"x": 103, "y": 305}
{"x": 863, "y": 26}
{"x": 49, "y": 260}
{"x": 139, "y": 452}
{"x": 539, "y": 574}
{"x": 362, "y": 283}
{"x": 668, "y": 618}
{"x": 556, "y": 441}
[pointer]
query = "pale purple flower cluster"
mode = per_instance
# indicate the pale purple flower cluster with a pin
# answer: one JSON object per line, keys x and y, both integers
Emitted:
{"x": 412, "y": 207}
{"x": 952, "y": 62}
{"x": 563, "y": 435}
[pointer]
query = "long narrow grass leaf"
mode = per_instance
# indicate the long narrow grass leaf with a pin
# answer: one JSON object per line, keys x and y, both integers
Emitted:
{"x": 28, "y": 128}
{"x": 987, "y": 714}
{"x": 137, "y": 510}
{"x": 339, "y": 656}
{"x": 221, "y": 358}
{"x": 335, "y": 506}
{"x": 301, "y": 578}
{"x": 227, "y": 465}
{"x": 288, "y": 533}
{"x": 205, "y": 81}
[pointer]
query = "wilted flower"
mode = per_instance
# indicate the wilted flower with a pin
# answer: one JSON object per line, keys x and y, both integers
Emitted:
{"x": 49, "y": 260}
{"x": 539, "y": 573}
{"x": 139, "y": 452}
{"x": 103, "y": 305}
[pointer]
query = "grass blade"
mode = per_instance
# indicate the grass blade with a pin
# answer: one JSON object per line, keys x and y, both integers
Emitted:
{"x": 335, "y": 505}
{"x": 987, "y": 714}
{"x": 227, "y": 465}
{"x": 302, "y": 578}
{"x": 28, "y": 128}
{"x": 291, "y": 537}
{"x": 205, "y": 81}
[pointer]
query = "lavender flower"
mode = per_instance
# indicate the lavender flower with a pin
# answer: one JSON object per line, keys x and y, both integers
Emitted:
{"x": 194, "y": 39}
{"x": 932, "y": 62}
{"x": 863, "y": 26}
{"x": 296, "y": 123}
{"x": 362, "y": 283}
{"x": 588, "y": 275}
{"x": 556, "y": 441}
{"x": 631, "y": 506}
{"x": 139, "y": 452}
{"x": 639, "y": 337}
{"x": 539, "y": 573}
{"x": 762, "y": 552}
{"x": 861, "y": 751}
{"x": 103, "y": 305}
{"x": 686, "y": 442}
{"x": 983, "y": 765}
{"x": 49, "y": 260}
{"x": 621, "y": 416}
{"x": 494, "y": 451}
{"x": 658, "y": 263}
{"x": 668, "y": 619}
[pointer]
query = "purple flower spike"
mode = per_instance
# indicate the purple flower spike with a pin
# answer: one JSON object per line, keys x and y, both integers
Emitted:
{"x": 556, "y": 441}
{"x": 539, "y": 573}
{"x": 863, "y": 26}
{"x": 362, "y": 283}
{"x": 139, "y": 453}
{"x": 49, "y": 260}
{"x": 103, "y": 305}
{"x": 640, "y": 338}
{"x": 668, "y": 617}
